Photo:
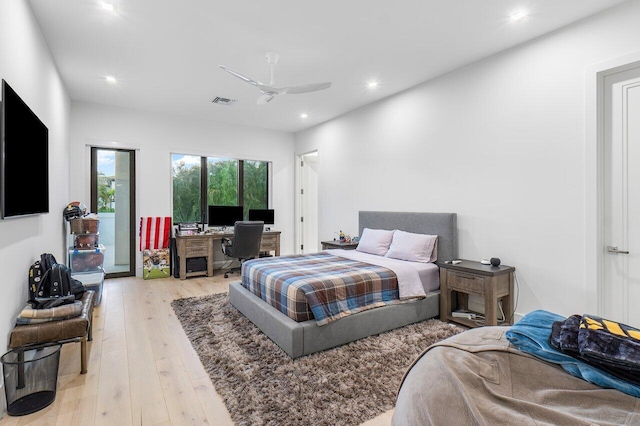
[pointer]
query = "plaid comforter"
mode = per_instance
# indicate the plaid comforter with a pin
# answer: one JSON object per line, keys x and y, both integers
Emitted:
{"x": 320, "y": 285}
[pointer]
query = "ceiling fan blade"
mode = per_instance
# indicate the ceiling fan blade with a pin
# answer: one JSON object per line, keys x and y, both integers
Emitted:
{"x": 241, "y": 77}
{"x": 272, "y": 89}
{"x": 267, "y": 97}
{"x": 306, "y": 88}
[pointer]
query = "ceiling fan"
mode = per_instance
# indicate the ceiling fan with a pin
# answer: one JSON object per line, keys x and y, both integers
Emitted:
{"x": 269, "y": 91}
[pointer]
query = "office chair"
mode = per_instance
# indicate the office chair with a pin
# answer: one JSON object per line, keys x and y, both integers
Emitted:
{"x": 245, "y": 245}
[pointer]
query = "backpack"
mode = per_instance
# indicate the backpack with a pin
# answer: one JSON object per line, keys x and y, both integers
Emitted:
{"x": 36, "y": 271}
{"x": 51, "y": 284}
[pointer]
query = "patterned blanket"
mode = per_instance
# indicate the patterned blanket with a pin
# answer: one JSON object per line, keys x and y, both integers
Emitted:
{"x": 320, "y": 285}
{"x": 29, "y": 315}
{"x": 608, "y": 345}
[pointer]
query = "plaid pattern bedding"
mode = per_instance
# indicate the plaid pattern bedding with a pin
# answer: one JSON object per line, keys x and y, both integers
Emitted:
{"x": 320, "y": 285}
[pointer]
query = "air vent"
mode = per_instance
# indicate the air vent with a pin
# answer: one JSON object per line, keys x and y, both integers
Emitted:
{"x": 224, "y": 101}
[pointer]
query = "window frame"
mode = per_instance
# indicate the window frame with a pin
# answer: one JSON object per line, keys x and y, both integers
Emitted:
{"x": 204, "y": 183}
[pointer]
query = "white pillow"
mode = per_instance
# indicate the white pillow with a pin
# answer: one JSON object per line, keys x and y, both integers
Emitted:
{"x": 413, "y": 247}
{"x": 375, "y": 241}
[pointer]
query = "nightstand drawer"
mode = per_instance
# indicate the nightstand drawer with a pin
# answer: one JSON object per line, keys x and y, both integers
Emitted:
{"x": 467, "y": 283}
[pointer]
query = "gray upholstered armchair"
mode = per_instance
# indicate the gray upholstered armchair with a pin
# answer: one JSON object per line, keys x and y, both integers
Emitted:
{"x": 245, "y": 244}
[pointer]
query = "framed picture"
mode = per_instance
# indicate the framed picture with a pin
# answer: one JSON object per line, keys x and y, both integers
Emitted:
{"x": 157, "y": 263}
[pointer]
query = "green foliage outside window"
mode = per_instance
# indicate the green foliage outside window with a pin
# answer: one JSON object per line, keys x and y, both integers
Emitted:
{"x": 222, "y": 185}
{"x": 106, "y": 194}
{"x": 186, "y": 193}
{"x": 255, "y": 186}
{"x": 222, "y": 179}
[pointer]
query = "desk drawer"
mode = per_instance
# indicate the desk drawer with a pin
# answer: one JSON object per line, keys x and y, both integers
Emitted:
{"x": 268, "y": 243}
{"x": 197, "y": 248}
{"x": 467, "y": 283}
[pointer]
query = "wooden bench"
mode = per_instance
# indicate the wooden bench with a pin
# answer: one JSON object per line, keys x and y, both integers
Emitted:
{"x": 76, "y": 329}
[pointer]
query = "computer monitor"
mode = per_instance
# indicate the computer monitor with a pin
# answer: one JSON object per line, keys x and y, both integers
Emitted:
{"x": 224, "y": 215}
{"x": 265, "y": 215}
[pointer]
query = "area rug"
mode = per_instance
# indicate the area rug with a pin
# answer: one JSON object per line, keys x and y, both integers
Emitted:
{"x": 261, "y": 385}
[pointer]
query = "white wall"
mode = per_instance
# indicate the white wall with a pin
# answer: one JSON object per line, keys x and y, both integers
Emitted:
{"x": 26, "y": 64}
{"x": 500, "y": 142}
{"x": 156, "y": 136}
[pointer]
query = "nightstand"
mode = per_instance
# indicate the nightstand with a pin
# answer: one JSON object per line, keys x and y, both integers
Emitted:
{"x": 494, "y": 283}
{"x": 336, "y": 244}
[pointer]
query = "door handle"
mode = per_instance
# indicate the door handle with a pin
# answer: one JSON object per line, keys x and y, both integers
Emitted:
{"x": 614, "y": 250}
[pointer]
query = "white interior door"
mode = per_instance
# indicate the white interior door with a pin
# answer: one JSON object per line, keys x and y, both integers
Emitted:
{"x": 621, "y": 169}
{"x": 309, "y": 203}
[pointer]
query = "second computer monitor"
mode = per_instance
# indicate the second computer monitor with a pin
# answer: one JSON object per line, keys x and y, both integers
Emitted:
{"x": 264, "y": 215}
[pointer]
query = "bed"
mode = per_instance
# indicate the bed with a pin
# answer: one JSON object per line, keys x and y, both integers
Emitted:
{"x": 511, "y": 375}
{"x": 302, "y": 337}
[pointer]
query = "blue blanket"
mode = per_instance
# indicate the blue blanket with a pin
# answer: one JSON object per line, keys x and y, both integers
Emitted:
{"x": 531, "y": 335}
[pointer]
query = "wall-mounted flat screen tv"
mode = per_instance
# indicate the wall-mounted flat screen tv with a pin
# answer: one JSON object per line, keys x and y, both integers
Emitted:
{"x": 265, "y": 215}
{"x": 24, "y": 158}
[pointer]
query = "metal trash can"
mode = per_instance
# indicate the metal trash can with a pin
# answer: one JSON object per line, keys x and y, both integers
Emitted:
{"x": 30, "y": 377}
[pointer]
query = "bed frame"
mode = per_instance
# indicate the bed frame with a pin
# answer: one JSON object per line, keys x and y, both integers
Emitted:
{"x": 303, "y": 338}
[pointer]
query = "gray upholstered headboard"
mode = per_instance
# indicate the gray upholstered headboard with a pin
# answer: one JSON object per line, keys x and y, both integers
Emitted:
{"x": 444, "y": 225}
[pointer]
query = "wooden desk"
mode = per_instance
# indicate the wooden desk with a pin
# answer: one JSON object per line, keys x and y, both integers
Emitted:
{"x": 202, "y": 245}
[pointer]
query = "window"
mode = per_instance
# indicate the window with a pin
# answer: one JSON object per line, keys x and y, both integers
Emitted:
{"x": 255, "y": 194}
{"x": 186, "y": 188}
{"x": 201, "y": 181}
{"x": 222, "y": 182}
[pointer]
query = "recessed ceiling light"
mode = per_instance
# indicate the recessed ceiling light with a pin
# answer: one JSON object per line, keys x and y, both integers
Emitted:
{"x": 111, "y": 79}
{"x": 372, "y": 84}
{"x": 304, "y": 115}
{"x": 108, "y": 6}
{"x": 518, "y": 16}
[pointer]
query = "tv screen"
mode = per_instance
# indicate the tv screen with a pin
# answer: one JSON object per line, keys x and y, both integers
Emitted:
{"x": 265, "y": 215}
{"x": 224, "y": 215}
{"x": 24, "y": 145}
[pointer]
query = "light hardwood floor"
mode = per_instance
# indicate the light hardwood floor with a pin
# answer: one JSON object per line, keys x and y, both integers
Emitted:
{"x": 142, "y": 369}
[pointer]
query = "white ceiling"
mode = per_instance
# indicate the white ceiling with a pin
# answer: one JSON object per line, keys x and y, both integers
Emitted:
{"x": 165, "y": 53}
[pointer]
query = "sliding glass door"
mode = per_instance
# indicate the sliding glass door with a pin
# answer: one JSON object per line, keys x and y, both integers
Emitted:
{"x": 113, "y": 198}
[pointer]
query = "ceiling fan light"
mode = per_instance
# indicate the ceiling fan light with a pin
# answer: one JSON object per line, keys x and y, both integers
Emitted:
{"x": 110, "y": 79}
{"x": 372, "y": 84}
{"x": 304, "y": 115}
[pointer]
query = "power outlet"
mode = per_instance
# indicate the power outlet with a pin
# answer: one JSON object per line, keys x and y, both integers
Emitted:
{"x": 467, "y": 315}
